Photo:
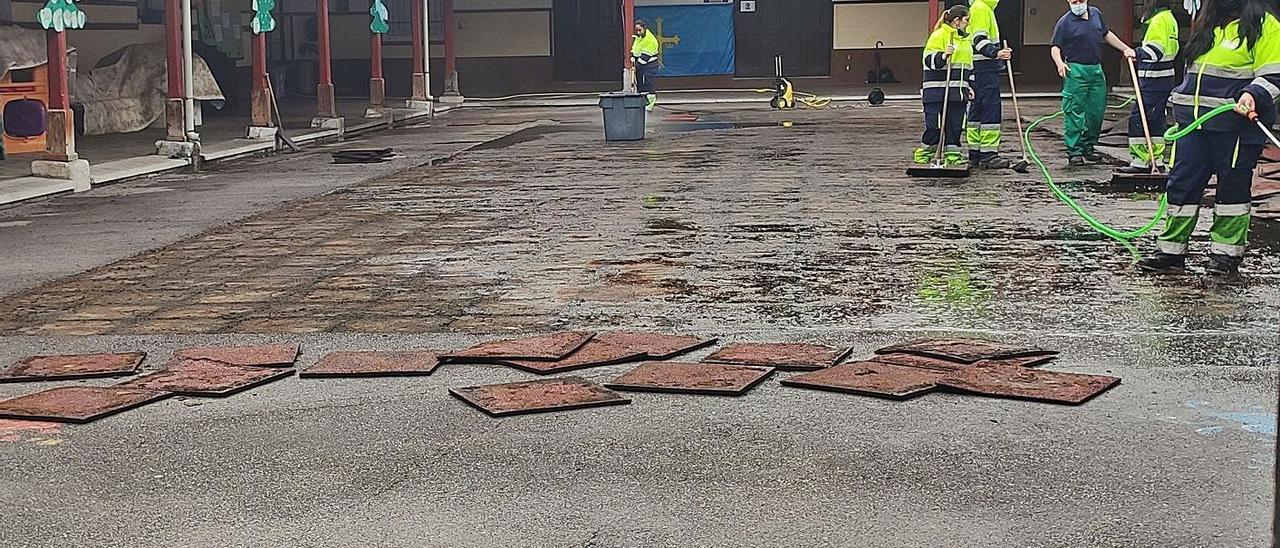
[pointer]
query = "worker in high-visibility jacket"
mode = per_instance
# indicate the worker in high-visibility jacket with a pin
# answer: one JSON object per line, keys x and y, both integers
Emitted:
{"x": 1155, "y": 82}
{"x": 644, "y": 57}
{"x": 1235, "y": 58}
{"x": 948, "y": 46}
{"x": 989, "y": 57}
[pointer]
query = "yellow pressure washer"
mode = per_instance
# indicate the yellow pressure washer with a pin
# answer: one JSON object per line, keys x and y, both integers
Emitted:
{"x": 784, "y": 94}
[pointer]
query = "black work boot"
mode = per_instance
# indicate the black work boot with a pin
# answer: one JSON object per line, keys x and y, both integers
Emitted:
{"x": 1075, "y": 161}
{"x": 1223, "y": 266}
{"x": 995, "y": 162}
{"x": 1164, "y": 263}
{"x": 1093, "y": 156}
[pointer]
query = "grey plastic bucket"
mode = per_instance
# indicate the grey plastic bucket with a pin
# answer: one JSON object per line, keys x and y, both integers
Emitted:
{"x": 623, "y": 116}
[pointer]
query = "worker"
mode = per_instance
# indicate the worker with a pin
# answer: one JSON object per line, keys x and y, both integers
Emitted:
{"x": 948, "y": 46}
{"x": 989, "y": 57}
{"x": 1235, "y": 58}
{"x": 1077, "y": 51}
{"x": 644, "y": 57}
{"x": 1155, "y": 83}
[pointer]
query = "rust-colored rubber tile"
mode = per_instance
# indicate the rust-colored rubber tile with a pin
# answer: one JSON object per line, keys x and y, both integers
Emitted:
{"x": 556, "y": 346}
{"x": 598, "y": 352}
{"x": 1028, "y": 384}
{"x": 73, "y": 366}
{"x": 939, "y": 364}
{"x": 656, "y": 346}
{"x": 782, "y": 356}
{"x": 207, "y": 378}
{"x": 692, "y": 378}
{"x": 540, "y": 396}
{"x": 373, "y": 364}
{"x": 262, "y": 355}
{"x": 78, "y": 404}
{"x": 875, "y": 379}
{"x": 963, "y": 350}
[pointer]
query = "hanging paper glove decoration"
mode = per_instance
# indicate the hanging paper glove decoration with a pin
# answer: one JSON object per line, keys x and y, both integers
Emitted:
{"x": 262, "y": 20}
{"x": 1192, "y": 6}
{"x": 60, "y": 15}
{"x": 379, "y": 12}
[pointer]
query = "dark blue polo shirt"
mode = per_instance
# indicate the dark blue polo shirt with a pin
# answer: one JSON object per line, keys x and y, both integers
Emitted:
{"x": 1079, "y": 39}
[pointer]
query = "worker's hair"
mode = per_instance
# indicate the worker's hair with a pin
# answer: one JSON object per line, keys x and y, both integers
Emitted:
{"x": 640, "y": 23}
{"x": 1220, "y": 13}
{"x": 951, "y": 14}
{"x": 1151, "y": 7}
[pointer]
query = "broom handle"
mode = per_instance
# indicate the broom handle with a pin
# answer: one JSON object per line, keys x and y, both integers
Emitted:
{"x": 942, "y": 123}
{"x": 1142, "y": 111}
{"x": 1017, "y": 114}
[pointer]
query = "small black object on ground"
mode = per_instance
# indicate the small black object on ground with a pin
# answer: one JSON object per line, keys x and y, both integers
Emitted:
{"x": 1143, "y": 179}
{"x": 362, "y": 156}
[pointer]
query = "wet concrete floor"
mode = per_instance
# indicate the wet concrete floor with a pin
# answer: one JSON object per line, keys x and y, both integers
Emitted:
{"x": 736, "y": 225}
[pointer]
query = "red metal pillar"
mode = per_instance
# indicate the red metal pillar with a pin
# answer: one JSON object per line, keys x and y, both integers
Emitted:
{"x": 377, "y": 85}
{"x": 173, "y": 111}
{"x": 419, "y": 81}
{"x": 60, "y": 133}
{"x": 1128, "y": 34}
{"x": 259, "y": 95}
{"x": 326, "y": 102}
{"x": 935, "y": 11}
{"x": 450, "y": 54}
{"x": 628, "y": 30}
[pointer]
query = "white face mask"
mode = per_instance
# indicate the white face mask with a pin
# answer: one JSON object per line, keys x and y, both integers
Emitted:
{"x": 1080, "y": 8}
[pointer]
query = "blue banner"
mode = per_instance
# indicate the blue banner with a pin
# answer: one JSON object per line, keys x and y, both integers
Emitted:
{"x": 695, "y": 40}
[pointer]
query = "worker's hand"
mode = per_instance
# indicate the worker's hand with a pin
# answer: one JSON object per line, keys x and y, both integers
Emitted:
{"x": 1005, "y": 54}
{"x": 951, "y": 48}
{"x": 1130, "y": 53}
{"x": 971, "y": 95}
{"x": 1063, "y": 69}
{"x": 1246, "y": 105}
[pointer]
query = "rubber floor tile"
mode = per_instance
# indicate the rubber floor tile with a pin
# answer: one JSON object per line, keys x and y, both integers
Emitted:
{"x": 263, "y": 355}
{"x": 963, "y": 350}
{"x": 656, "y": 346}
{"x": 373, "y": 364}
{"x": 692, "y": 378}
{"x": 78, "y": 404}
{"x": 782, "y": 356}
{"x": 1028, "y": 384}
{"x": 73, "y": 366}
{"x": 875, "y": 379}
{"x": 939, "y": 364}
{"x": 540, "y": 396}
{"x": 552, "y": 347}
{"x": 207, "y": 378}
{"x": 599, "y": 351}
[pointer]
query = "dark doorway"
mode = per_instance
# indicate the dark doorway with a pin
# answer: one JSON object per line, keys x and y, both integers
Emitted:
{"x": 587, "y": 40}
{"x": 799, "y": 30}
{"x": 1009, "y": 17}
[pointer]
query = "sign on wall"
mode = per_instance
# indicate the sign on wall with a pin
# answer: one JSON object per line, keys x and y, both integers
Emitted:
{"x": 695, "y": 40}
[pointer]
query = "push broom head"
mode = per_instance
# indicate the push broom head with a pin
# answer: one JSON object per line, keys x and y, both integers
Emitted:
{"x": 938, "y": 171}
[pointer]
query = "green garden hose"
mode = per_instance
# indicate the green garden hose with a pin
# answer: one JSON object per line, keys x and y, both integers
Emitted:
{"x": 1124, "y": 236}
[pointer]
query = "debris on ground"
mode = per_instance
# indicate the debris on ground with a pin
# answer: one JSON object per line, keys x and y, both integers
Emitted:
{"x": 78, "y": 404}
{"x": 963, "y": 350}
{"x": 500, "y": 400}
{"x": 263, "y": 355}
{"x": 780, "y": 356}
{"x": 373, "y": 364}
{"x": 874, "y": 379}
{"x": 692, "y": 378}
{"x": 73, "y": 366}
{"x": 551, "y": 347}
{"x": 362, "y": 156}
{"x": 208, "y": 378}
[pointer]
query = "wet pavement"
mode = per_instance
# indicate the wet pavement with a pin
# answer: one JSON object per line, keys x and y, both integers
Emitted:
{"x": 745, "y": 224}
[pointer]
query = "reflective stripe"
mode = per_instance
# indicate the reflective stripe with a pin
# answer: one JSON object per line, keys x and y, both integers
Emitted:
{"x": 1232, "y": 210}
{"x": 1235, "y": 155}
{"x": 954, "y": 84}
{"x": 1171, "y": 248}
{"x": 1226, "y": 249}
{"x": 1222, "y": 72}
{"x": 1268, "y": 69}
{"x": 1189, "y": 210}
{"x": 1205, "y": 101}
{"x": 1152, "y": 51}
{"x": 989, "y": 127}
{"x": 1167, "y": 73}
{"x": 1267, "y": 85}
{"x": 1137, "y": 141}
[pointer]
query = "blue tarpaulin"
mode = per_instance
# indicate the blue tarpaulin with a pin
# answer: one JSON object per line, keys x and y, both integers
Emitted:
{"x": 696, "y": 40}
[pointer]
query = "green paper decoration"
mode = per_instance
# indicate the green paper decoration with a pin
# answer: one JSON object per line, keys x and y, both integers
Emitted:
{"x": 60, "y": 15}
{"x": 262, "y": 20}
{"x": 379, "y": 23}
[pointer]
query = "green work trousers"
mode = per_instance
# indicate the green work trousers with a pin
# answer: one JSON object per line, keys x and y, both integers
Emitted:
{"x": 1084, "y": 100}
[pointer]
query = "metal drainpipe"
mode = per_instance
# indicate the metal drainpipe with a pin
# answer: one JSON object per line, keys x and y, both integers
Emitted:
{"x": 188, "y": 103}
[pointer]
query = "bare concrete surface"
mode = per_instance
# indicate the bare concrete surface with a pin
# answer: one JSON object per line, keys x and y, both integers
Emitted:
{"x": 735, "y": 225}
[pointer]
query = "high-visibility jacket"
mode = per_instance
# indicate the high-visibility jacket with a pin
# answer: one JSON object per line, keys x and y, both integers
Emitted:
{"x": 984, "y": 32}
{"x": 1159, "y": 46}
{"x": 935, "y": 66}
{"x": 644, "y": 49}
{"x": 1229, "y": 68}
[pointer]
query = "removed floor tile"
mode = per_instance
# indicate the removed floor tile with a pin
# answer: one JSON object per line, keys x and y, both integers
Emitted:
{"x": 78, "y": 404}
{"x": 262, "y": 355}
{"x": 875, "y": 379}
{"x": 782, "y": 356}
{"x": 207, "y": 378}
{"x": 373, "y": 364}
{"x": 552, "y": 347}
{"x": 73, "y": 366}
{"x": 1028, "y": 384}
{"x": 540, "y": 396}
{"x": 692, "y": 378}
{"x": 963, "y": 350}
{"x": 939, "y": 364}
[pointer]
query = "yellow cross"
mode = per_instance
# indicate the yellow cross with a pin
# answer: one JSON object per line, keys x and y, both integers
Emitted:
{"x": 663, "y": 40}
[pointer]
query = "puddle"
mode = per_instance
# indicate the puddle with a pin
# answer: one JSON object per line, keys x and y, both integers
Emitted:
{"x": 685, "y": 127}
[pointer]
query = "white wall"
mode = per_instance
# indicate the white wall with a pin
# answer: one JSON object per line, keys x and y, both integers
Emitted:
{"x": 898, "y": 25}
